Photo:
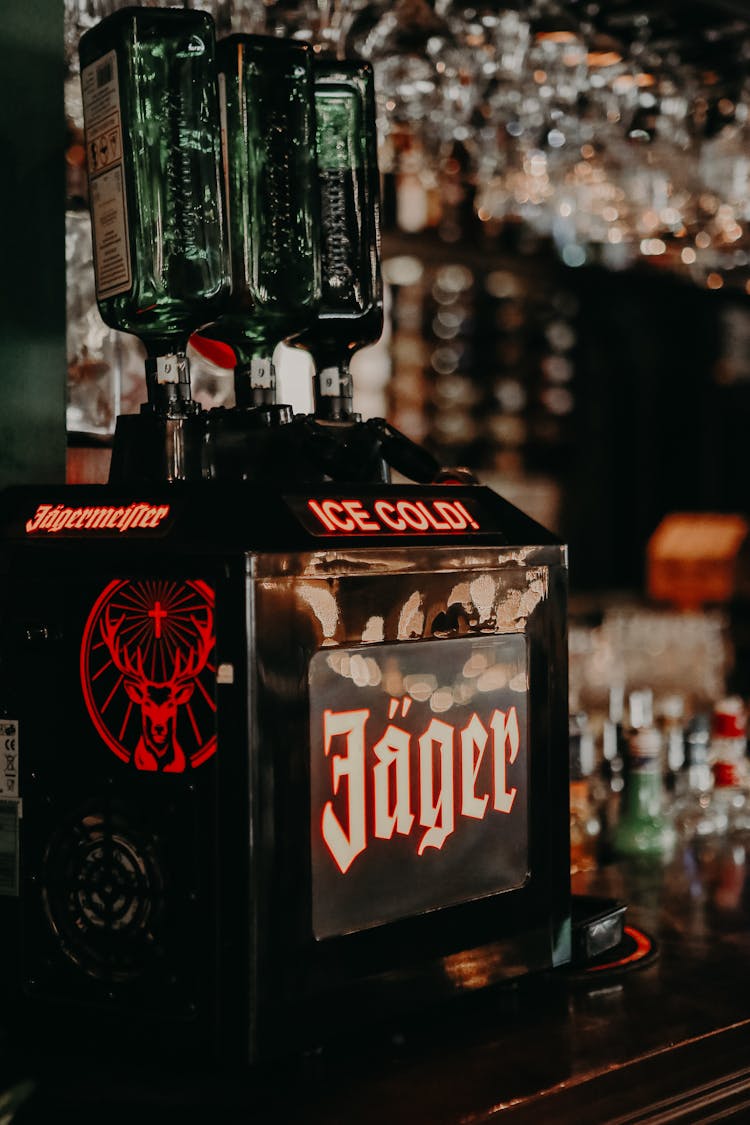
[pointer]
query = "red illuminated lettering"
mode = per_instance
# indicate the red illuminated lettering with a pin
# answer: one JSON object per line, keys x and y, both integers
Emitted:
{"x": 60, "y": 518}
{"x": 154, "y": 516}
{"x": 128, "y": 517}
{"x": 384, "y": 511}
{"x": 413, "y": 515}
{"x": 97, "y": 516}
{"x": 391, "y": 775}
{"x": 473, "y": 741}
{"x": 35, "y": 523}
{"x": 448, "y": 511}
{"x": 315, "y": 507}
{"x": 504, "y": 732}
{"x": 439, "y": 525}
{"x": 399, "y": 515}
{"x": 333, "y": 511}
{"x": 436, "y": 813}
{"x": 469, "y": 519}
{"x": 49, "y": 517}
{"x": 345, "y": 832}
{"x": 360, "y": 516}
{"x": 344, "y": 843}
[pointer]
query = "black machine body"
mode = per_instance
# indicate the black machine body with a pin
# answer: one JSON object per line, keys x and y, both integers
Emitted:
{"x": 283, "y": 757}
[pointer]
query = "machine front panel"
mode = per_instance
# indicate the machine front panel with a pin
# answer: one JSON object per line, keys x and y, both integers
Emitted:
{"x": 419, "y": 777}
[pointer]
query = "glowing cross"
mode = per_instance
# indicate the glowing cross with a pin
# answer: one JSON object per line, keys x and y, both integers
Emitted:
{"x": 158, "y": 615}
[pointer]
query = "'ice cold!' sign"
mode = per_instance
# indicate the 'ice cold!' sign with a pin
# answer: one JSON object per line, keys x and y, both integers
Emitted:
{"x": 424, "y": 514}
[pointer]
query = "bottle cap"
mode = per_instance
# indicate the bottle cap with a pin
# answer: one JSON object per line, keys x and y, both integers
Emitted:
{"x": 644, "y": 746}
{"x": 641, "y": 708}
{"x": 726, "y": 775}
{"x": 729, "y": 718}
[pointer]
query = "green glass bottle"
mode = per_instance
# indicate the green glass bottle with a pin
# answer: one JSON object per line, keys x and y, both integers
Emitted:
{"x": 644, "y": 829}
{"x": 351, "y": 310}
{"x": 266, "y": 87}
{"x": 153, "y": 142}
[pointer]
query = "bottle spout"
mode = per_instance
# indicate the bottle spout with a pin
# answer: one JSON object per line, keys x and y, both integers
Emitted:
{"x": 334, "y": 395}
{"x": 168, "y": 386}
{"x": 255, "y": 383}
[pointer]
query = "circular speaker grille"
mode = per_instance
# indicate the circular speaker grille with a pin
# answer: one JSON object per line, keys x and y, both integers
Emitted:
{"x": 103, "y": 894}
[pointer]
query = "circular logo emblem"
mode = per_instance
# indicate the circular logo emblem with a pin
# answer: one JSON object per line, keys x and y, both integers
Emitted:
{"x": 148, "y": 672}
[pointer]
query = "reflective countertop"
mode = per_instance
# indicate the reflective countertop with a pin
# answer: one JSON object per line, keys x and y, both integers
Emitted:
{"x": 670, "y": 1036}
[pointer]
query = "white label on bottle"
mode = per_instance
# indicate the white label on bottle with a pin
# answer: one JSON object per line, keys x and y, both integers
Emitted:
{"x": 167, "y": 369}
{"x": 329, "y": 381}
{"x": 262, "y": 374}
{"x": 109, "y": 214}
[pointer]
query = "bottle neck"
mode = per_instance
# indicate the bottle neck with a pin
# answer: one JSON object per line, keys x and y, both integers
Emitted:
{"x": 644, "y": 791}
{"x": 644, "y": 795}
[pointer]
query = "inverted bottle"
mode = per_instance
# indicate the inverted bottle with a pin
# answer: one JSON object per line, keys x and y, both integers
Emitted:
{"x": 351, "y": 310}
{"x": 266, "y": 88}
{"x": 153, "y": 144}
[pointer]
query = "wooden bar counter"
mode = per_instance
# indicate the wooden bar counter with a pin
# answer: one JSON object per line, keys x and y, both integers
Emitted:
{"x": 667, "y": 1041}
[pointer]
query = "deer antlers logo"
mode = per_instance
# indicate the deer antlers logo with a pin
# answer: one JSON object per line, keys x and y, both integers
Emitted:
{"x": 147, "y": 674}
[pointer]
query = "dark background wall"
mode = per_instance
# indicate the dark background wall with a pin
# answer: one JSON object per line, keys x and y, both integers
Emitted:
{"x": 32, "y": 243}
{"x": 662, "y": 417}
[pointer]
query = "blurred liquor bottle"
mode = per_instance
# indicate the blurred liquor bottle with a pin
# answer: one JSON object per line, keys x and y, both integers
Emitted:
{"x": 729, "y": 807}
{"x": 585, "y": 824}
{"x": 644, "y": 828}
{"x": 691, "y": 810}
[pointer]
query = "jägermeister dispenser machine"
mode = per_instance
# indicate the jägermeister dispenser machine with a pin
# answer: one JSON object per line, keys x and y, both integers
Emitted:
{"x": 303, "y": 756}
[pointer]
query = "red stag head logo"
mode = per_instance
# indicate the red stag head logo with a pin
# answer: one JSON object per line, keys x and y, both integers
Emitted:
{"x": 146, "y": 673}
{"x": 158, "y": 748}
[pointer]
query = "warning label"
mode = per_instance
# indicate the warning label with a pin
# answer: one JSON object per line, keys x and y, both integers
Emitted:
{"x": 10, "y": 807}
{"x": 109, "y": 214}
{"x": 109, "y": 223}
{"x": 8, "y": 758}
{"x": 105, "y": 149}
